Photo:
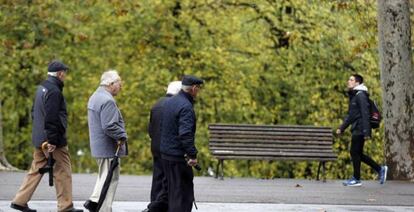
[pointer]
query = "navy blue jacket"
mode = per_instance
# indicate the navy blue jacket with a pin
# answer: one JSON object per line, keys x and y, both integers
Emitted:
{"x": 49, "y": 114}
{"x": 358, "y": 114}
{"x": 178, "y": 127}
{"x": 154, "y": 126}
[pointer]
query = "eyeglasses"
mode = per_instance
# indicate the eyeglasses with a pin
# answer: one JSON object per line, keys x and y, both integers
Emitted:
{"x": 118, "y": 81}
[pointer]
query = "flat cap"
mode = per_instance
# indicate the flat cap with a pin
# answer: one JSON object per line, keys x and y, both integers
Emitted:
{"x": 191, "y": 80}
{"x": 56, "y": 66}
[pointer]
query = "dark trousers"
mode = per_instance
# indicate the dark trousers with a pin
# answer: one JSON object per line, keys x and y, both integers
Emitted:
{"x": 180, "y": 186}
{"x": 357, "y": 155}
{"x": 159, "y": 190}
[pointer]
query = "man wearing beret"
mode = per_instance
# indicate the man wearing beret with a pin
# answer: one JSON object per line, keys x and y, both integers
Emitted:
{"x": 49, "y": 128}
{"x": 178, "y": 127}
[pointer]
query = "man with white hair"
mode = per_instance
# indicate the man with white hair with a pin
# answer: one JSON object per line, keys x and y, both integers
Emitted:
{"x": 159, "y": 195}
{"x": 106, "y": 133}
{"x": 49, "y": 130}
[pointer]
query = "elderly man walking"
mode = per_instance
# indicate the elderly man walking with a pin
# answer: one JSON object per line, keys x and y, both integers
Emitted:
{"x": 178, "y": 127}
{"x": 106, "y": 132}
{"x": 159, "y": 192}
{"x": 49, "y": 127}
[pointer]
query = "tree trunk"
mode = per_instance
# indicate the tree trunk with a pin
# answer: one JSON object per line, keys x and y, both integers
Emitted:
{"x": 4, "y": 164}
{"x": 397, "y": 82}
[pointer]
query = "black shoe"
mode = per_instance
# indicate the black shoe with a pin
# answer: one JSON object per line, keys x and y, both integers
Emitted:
{"x": 75, "y": 210}
{"x": 21, "y": 208}
{"x": 91, "y": 206}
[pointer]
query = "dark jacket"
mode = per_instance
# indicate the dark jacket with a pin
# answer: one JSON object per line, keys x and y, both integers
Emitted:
{"x": 154, "y": 126}
{"x": 49, "y": 114}
{"x": 178, "y": 127}
{"x": 358, "y": 114}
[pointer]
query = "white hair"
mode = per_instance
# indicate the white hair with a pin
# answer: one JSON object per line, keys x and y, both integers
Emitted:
{"x": 174, "y": 87}
{"x": 53, "y": 74}
{"x": 109, "y": 77}
{"x": 186, "y": 88}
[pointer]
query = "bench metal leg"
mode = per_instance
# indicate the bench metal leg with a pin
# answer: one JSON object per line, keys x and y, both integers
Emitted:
{"x": 217, "y": 169}
{"x": 220, "y": 163}
{"x": 319, "y": 169}
{"x": 222, "y": 169}
{"x": 323, "y": 172}
{"x": 321, "y": 163}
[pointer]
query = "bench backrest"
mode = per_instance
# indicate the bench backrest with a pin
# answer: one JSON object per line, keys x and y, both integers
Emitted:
{"x": 271, "y": 142}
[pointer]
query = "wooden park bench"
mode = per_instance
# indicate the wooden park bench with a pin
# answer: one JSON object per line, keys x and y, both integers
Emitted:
{"x": 271, "y": 142}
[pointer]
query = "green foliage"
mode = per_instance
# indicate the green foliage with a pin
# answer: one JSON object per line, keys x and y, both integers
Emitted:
{"x": 264, "y": 62}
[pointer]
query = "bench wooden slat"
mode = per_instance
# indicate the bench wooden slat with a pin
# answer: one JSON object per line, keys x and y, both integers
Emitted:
{"x": 269, "y": 146}
{"x": 235, "y": 149}
{"x": 276, "y": 158}
{"x": 308, "y": 134}
{"x": 212, "y": 136}
{"x": 232, "y": 129}
{"x": 269, "y": 141}
{"x": 290, "y": 154}
{"x": 322, "y": 151}
{"x": 229, "y": 126}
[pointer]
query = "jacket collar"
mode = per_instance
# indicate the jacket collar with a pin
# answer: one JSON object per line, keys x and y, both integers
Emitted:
{"x": 361, "y": 87}
{"x": 56, "y": 81}
{"x": 357, "y": 89}
{"x": 101, "y": 89}
{"x": 187, "y": 96}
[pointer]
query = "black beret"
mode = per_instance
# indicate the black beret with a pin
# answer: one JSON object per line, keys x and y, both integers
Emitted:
{"x": 56, "y": 66}
{"x": 191, "y": 80}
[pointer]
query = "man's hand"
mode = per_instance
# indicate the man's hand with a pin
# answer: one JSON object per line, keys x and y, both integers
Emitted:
{"x": 192, "y": 162}
{"x": 121, "y": 141}
{"x": 51, "y": 147}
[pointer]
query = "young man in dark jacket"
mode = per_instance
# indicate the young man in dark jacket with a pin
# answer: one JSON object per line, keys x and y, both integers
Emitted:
{"x": 359, "y": 117}
{"x": 178, "y": 127}
{"x": 159, "y": 193}
{"x": 49, "y": 127}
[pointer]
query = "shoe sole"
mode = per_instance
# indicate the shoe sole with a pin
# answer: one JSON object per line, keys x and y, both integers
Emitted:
{"x": 385, "y": 174}
{"x": 354, "y": 185}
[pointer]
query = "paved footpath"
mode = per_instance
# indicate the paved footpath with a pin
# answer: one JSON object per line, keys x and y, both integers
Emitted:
{"x": 237, "y": 194}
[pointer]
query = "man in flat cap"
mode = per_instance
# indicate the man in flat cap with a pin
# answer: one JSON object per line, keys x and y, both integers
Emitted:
{"x": 159, "y": 192}
{"x": 49, "y": 130}
{"x": 178, "y": 151}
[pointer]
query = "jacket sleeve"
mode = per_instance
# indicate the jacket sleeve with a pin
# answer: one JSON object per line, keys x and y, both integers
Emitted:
{"x": 345, "y": 123}
{"x": 111, "y": 122}
{"x": 53, "y": 126}
{"x": 186, "y": 127}
{"x": 363, "y": 103}
{"x": 350, "y": 117}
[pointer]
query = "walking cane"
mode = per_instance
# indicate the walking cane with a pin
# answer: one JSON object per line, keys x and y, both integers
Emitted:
{"x": 198, "y": 168}
{"x": 49, "y": 166}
